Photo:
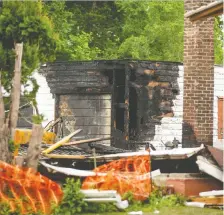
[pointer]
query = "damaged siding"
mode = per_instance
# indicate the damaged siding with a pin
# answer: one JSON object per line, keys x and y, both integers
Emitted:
{"x": 91, "y": 113}
{"x": 171, "y": 127}
{"x": 156, "y": 84}
{"x": 83, "y": 98}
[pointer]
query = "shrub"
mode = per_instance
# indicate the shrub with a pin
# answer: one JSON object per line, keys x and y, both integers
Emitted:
{"x": 72, "y": 202}
{"x": 158, "y": 199}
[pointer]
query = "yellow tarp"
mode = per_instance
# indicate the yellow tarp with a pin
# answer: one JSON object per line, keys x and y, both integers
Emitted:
{"x": 22, "y": 136}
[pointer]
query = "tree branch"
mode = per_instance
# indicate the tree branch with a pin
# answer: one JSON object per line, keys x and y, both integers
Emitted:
{"x": 2, "y": 108}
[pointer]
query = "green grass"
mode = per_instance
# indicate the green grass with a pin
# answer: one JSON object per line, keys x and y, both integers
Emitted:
{"x": 172, "y": 211}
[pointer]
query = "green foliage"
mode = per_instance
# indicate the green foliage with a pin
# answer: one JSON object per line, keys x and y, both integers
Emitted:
{"x": 24, "y": 22}
{"x": 100, "y": 208}
{"x": 103, "y": 21}
{"x": 72, "y": 202}
{"x": 152, "y": 30}
{"x": 37, "y": 119}
{"x": 157, "y": 199}
{"x": 5, "y": 210}
{"x": 12, "y": 146}
{"x": 218, "y": 41}
{"x": 73, "y": 44}
{"x": 134, "y": 205}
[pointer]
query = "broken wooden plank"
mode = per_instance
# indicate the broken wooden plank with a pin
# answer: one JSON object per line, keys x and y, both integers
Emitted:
{"x": 209, "y": 200}
{"x": 61, "y": 142}
{"x": 177, "y": 153}
{"x": 195, "y": 204}
{"x": 94, "y": 193}
{"x": 58, "y": 156}
{"x": 212, "y": 193}
{"x": 209, "y": 168}
{"x": 86, "y": 141}
{"x": 217, "y": 154}
{"x": 71, "y": 171}
{"x": 52, "y": 124}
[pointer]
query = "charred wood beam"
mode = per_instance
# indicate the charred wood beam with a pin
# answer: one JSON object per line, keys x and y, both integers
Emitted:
{"x": 62, "y": 66}
{"x": 113, "y": 109}
{"x": 84, "y": 90}
{"x": 126, "y": 100}
{"x": 56, "y": 111}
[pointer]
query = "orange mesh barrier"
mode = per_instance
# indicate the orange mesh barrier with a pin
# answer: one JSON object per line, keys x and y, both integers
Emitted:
{"x": 27, "y": 190}
{"x": 130, "y": 174}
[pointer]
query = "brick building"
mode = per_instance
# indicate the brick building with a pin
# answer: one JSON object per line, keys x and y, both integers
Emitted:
{"x": 199, "y": 70}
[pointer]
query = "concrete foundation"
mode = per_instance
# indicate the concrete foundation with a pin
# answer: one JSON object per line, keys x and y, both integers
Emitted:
{"x": 188, "y": 184}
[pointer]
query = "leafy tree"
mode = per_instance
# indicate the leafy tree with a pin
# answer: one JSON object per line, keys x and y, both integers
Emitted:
{"x": 152, "y": 30}
{"x": 218, "y": 40}
{"x": 103, "y": 21}
{"x": 25, "y": 22}
{"x": 73, "y": 43}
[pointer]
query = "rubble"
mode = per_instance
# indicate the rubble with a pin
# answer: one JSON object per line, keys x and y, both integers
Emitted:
{"x": 124, "y": 170}
{"x": 209, "y": 168}
{"x": 99, "y": 196}
{"x": 212, "y": 193}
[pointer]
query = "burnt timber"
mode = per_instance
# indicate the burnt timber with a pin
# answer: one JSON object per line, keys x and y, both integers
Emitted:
{"x": 125, "y": 99}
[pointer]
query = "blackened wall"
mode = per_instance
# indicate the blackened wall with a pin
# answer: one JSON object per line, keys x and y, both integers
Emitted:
{"x": 129, "y": 98}
{"x": 156, "y": 84}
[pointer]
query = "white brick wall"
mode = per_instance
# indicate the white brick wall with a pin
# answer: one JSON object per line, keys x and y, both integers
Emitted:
{"x": 172, "y": 126}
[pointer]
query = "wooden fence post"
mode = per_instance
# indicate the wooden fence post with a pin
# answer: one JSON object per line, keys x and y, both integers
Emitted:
{"x": 34, "y": 149}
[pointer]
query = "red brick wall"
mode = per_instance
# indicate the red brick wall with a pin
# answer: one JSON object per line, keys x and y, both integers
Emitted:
{"x": 198, "y": 78}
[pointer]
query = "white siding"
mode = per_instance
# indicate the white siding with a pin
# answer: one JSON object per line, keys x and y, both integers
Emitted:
{"x": 45, "y": 100}
{"x": 218, "y": 92}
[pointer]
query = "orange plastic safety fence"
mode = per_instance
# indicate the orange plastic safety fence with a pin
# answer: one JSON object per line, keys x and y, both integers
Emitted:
{"x": 130, "y": 174}
{"x": 27, "y": 190}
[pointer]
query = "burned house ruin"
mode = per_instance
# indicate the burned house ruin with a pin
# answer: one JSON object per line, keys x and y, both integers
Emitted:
{"x": 125, "y": 99}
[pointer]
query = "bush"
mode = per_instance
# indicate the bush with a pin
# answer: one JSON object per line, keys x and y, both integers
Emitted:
{"x": 158, "y": 199}
{"x": 72, "y": 202}
{"x": 100, "y": 208}
{"x": 5, "y": 210}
